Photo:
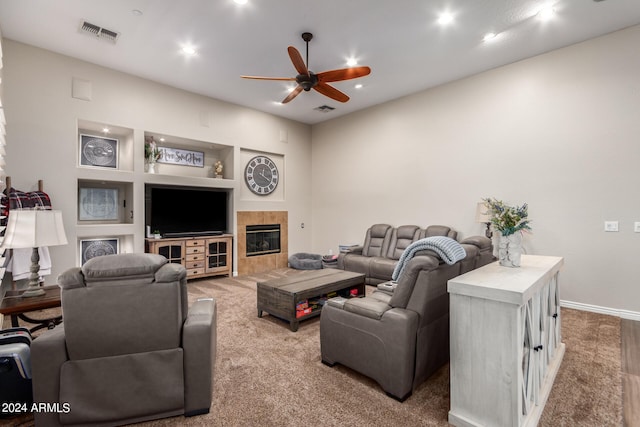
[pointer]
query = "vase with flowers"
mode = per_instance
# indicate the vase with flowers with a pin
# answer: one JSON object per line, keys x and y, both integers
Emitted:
{"x": 511, "y": 222}
{"x": 151, "y": 153}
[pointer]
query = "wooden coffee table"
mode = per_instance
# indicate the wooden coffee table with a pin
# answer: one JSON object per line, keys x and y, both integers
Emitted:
{"x": 15, "y": 306}
{"x": 279, "y": 297}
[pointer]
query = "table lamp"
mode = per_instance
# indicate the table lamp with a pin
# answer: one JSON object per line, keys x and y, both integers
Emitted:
{"x": 483, "y": 216}
{"x": 34, "y": 229}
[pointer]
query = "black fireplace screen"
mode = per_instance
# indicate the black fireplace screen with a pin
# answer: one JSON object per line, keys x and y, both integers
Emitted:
{"x": 263, "y": 239}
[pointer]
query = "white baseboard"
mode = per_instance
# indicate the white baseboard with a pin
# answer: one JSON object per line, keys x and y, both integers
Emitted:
{"x": 624, "y": 314}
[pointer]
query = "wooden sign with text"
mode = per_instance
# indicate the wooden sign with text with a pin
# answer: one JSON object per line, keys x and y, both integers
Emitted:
{"x": 177, "y": 156}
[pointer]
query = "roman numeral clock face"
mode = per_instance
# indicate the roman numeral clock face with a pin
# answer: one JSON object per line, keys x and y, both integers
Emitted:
{"x": 261, "y": 175}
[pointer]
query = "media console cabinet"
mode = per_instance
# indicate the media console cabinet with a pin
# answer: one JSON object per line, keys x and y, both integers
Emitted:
{"x": 201, "y": 256}
{"x": 506, "y": 345}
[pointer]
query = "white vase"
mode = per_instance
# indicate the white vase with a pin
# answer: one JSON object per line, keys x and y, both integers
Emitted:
{"x": 510, "y": 250}
{"x": 152, "y": 168}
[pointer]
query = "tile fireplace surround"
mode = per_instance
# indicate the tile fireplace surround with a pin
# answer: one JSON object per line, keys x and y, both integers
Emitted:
{"x": 266, "y": 262}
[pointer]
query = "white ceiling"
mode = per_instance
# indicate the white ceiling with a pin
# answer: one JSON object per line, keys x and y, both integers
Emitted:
{"x": 407, "y": 50}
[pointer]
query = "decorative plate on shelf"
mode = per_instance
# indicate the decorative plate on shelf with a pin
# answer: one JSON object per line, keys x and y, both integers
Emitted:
{"x": 98, "y": 151}
{"x": 98, "y": 247}
{"x": 98, "y": 204}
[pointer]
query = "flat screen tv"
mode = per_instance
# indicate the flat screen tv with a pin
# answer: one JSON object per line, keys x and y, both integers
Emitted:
{"x": 186, "y": 211}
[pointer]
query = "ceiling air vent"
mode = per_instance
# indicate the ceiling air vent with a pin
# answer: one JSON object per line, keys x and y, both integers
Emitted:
{"x": 324, "y": 109}
{"x": 99, "y": 32}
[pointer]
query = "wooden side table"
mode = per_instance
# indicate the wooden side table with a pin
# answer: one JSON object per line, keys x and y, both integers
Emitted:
{"x": 16, "y": 306}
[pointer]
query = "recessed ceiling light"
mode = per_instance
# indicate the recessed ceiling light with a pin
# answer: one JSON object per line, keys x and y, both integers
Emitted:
{"x": 136, "y": 12}
{"x": 188, "y": 50}
{"x": 489, "y": 36}
{"x": 105, "y": 130}
{"x": 351, "y": 62}
{"x": 358, "y": 86}
{"x": 445, "y": 18}
{"x": 546, "y": 13}
{"x": 240, "y": 1}
{"x": 161, "y": 139}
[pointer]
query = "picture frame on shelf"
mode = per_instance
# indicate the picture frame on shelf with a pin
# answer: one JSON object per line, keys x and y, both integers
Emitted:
{"x": 91, "y": 248}
{"x": 98, "y": 204}
{"x": 98, "y": 151}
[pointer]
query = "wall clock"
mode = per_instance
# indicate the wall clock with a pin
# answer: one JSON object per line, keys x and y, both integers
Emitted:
{"x": 261, "y": 175}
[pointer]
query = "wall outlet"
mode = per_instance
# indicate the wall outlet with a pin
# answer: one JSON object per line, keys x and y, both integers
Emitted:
{"x": 636, "y": 226}
{"x": 611, "y": 226}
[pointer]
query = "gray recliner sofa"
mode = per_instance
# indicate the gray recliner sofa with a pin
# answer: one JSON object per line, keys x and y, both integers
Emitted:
{"x": 383, "y": 245}
{"x": 399, "y": 334}
{"x": 130, "y": 348}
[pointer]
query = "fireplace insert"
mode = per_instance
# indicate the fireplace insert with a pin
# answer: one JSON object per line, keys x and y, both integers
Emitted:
{"x": 263, "y": 239}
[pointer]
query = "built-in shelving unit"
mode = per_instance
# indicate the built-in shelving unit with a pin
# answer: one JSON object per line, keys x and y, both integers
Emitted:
{"x": 111, "y": 175}
{"x": 210, "y": 152}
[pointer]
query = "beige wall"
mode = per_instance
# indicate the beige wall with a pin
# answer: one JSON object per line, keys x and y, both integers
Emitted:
{"x": 559, "y": 131}
{"x": 42, "y": 139}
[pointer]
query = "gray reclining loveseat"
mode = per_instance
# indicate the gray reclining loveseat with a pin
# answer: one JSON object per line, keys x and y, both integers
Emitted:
{"x": 399, "y": 335}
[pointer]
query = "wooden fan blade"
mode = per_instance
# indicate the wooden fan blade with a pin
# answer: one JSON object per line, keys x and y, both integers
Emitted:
{"x": 343, "y": 74}
{"x": 269, "y": 78}
{"x": 293, "y": 94}
{"x": 298, "y": 63}
{"x": 331, "y": 92}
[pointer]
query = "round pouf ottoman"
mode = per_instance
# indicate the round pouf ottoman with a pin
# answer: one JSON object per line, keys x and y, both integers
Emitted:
{"x": 305, "y": 261}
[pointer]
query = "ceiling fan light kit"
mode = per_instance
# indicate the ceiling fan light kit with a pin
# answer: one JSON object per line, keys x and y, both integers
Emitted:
{"x": 307, "y": 80}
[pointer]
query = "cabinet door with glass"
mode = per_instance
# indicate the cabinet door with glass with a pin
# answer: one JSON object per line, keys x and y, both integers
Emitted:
{"x": 218, "y": 252}
{"x": 172, "y": 250}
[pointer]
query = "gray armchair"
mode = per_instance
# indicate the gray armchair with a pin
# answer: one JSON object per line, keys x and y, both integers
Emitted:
{"x": 130, "y": 349}
{"x": 398, "y": 335}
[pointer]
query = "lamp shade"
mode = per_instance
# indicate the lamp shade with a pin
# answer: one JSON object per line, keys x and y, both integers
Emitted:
{"x": 34, "y": 229}
{"x": 482, "y": 213}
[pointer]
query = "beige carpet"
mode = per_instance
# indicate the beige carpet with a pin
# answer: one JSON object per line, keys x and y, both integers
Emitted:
{"x": 267, "y": 375}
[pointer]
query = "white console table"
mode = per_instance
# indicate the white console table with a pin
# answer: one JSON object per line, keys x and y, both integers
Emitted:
{"x": 506, "y": 346}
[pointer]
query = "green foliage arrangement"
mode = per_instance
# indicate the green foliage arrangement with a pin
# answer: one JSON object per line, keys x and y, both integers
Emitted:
{"x": 507, "y": 219}
{"x": 151, "y": 152}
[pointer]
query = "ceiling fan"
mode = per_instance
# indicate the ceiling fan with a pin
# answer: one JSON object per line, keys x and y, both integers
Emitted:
{"x": 308, "y": 80}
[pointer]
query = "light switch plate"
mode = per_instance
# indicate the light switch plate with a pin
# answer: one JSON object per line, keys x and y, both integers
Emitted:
{"x": 636, "y": 226}
{"x": 611, "y": 226}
